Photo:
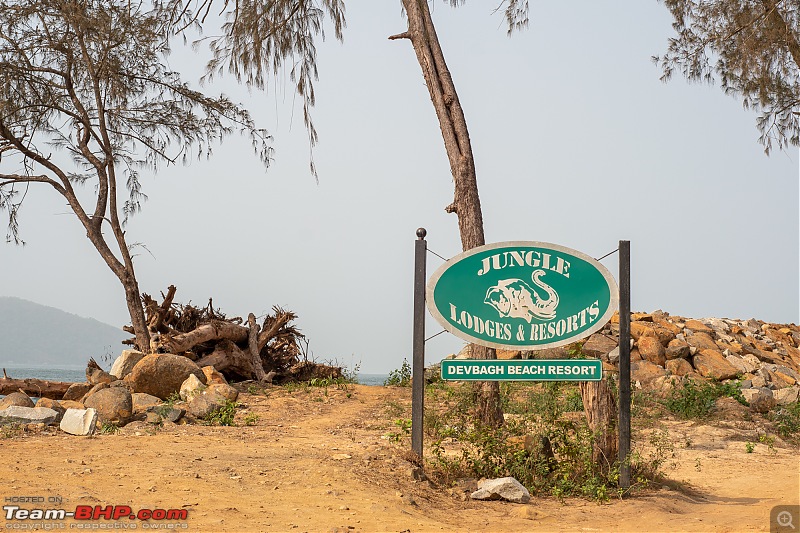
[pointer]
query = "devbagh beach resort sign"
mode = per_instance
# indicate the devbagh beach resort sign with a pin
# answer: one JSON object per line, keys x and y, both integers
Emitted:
{"x": 522, "y": 295}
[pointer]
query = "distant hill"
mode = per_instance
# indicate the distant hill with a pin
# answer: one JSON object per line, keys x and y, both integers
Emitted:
{"x": 36, "y": 335}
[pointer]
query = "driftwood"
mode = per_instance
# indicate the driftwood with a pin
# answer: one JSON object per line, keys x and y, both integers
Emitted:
{"x": 34, "y": 387}
{"x": 238, "y": 349}
{"x": 216, "y": 330}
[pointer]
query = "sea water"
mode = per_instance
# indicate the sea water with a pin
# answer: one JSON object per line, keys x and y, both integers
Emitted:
{"x": 78, "y": 374}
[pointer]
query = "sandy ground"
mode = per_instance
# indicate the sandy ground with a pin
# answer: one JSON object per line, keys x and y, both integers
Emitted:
{"x": 319, "y": 463}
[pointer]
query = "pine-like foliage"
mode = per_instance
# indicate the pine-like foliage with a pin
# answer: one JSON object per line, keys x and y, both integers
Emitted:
{"x": 261, "y": 38}
{"x": 89, "y": 77}
{"x": 751, "y": 47}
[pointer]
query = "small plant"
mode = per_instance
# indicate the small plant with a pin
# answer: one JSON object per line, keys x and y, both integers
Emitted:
{"x": 254, "y": 389}
{"x": 223, "y": 415}
{"x": 400, "y": 377}
{"x": 9, "y": 431}
{"x": 108, "y": 428}
{"x": 540, "y": 444}
{"x": 164, "y": 409}
{"x": 251, "y": 419}
{"x": 294, "y": 386}
{"x": 697, "y": 399}
{"x": 405, "y": 429}
{"x": 787, "y": 419}
{"x": 769, "y": 440}
{"x": 749, "y": 447}
{"x": 394, "y": 409}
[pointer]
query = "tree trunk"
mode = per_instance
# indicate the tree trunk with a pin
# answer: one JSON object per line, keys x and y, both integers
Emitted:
{"x": 601, "y": 414}
{"x": 466, "y": 203}
{"x": 255, "y": 352}
{"x": 134, "y": 301}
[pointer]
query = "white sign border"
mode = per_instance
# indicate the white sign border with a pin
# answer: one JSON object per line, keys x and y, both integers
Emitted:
{"x": 613, "y": 303}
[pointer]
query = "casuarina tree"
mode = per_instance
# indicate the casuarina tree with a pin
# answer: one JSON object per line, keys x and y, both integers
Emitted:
{"x": 752, "y": 48}
{"x": 86, "y": 98}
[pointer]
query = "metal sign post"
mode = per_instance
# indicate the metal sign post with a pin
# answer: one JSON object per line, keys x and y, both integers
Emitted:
{"x": 624, "y": 363}
{"x": 418, "y": 364}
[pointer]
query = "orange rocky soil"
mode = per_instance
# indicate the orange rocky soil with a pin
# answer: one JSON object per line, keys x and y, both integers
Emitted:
{"x": 317, "y": 462}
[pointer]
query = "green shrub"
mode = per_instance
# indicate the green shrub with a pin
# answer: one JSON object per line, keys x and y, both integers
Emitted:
{"x": 223, "y": 416}
{"x": 108, "y": 428}
{"x": 787, "y": 419}
{"x": 251, "y": 419}
{"x": 558, "y": 461}
{"x": 400, "y": 377}
{"x": 696, "y": 399}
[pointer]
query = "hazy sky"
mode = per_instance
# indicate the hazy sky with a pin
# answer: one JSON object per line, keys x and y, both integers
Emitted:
{"x": 576, "y": 142}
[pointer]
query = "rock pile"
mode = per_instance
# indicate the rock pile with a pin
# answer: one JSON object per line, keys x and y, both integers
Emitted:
{"x": 763, "y": 358}
{"x": 152, "y": 389}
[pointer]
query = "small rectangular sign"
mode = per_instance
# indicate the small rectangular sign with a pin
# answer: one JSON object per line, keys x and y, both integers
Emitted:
{"x": 522, "y": 370}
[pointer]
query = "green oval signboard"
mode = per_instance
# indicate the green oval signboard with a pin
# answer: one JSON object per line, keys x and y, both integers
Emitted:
{"x": 522, "y": 295}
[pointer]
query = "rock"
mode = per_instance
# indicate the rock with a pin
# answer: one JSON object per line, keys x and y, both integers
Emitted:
{"x": 162, "y": 374}
{"x": 508, "y": 354}
{"x": 27, "y": 415}
{"x": 599, "y": 345}
{"x": 465, "y": 352}
{"x": 79, "y": 421}
{"x": 652, "y": 350}
{"x": 712, "y": 364}
{"x": 71, "y": 404}
{"x": 788, "y": 372}
{"x": 698, "y": 327}
{"x": 506, "y": 488}
{"x": 669, "y": 326}
{"x": 52, "y": 404}
{"x": 752, "y": 362}
{"x": 96, "y": 375}
{"x": 203, "y": 405}
{"x": 226, "y": 391}
{"x": 677, "y": 349}
{"x": 701, "y": 341}
{"x": 122, "y": 383}
{"x": 93, "y": 390}
{"x": 738, "y": 363}
{"x": 678, "y": 367}
{"x": 786, "y": 396}
{"x": 761, "y": 400}
{"x": 165, "y": 412}
{"x": 212, "y": 376}
{"x": 665, "y": 384}
{"x": 717, "y": 324}
{"x": 639, "y": 329}
{"x": 76, "y": 391}
{"x": 191, "y": 388}
{"x": 781, "y": 380}
{"x": 433, "y": 373}
{"x": 645, "y": 371}
{"x": 125, "y": 362}
{"x": 113, "y": 405}
{"x": 141, "y": 401}
{"x": 613, "y": 356}
{"x": 173, "y": 414}
{"x": 18, "y": 399}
